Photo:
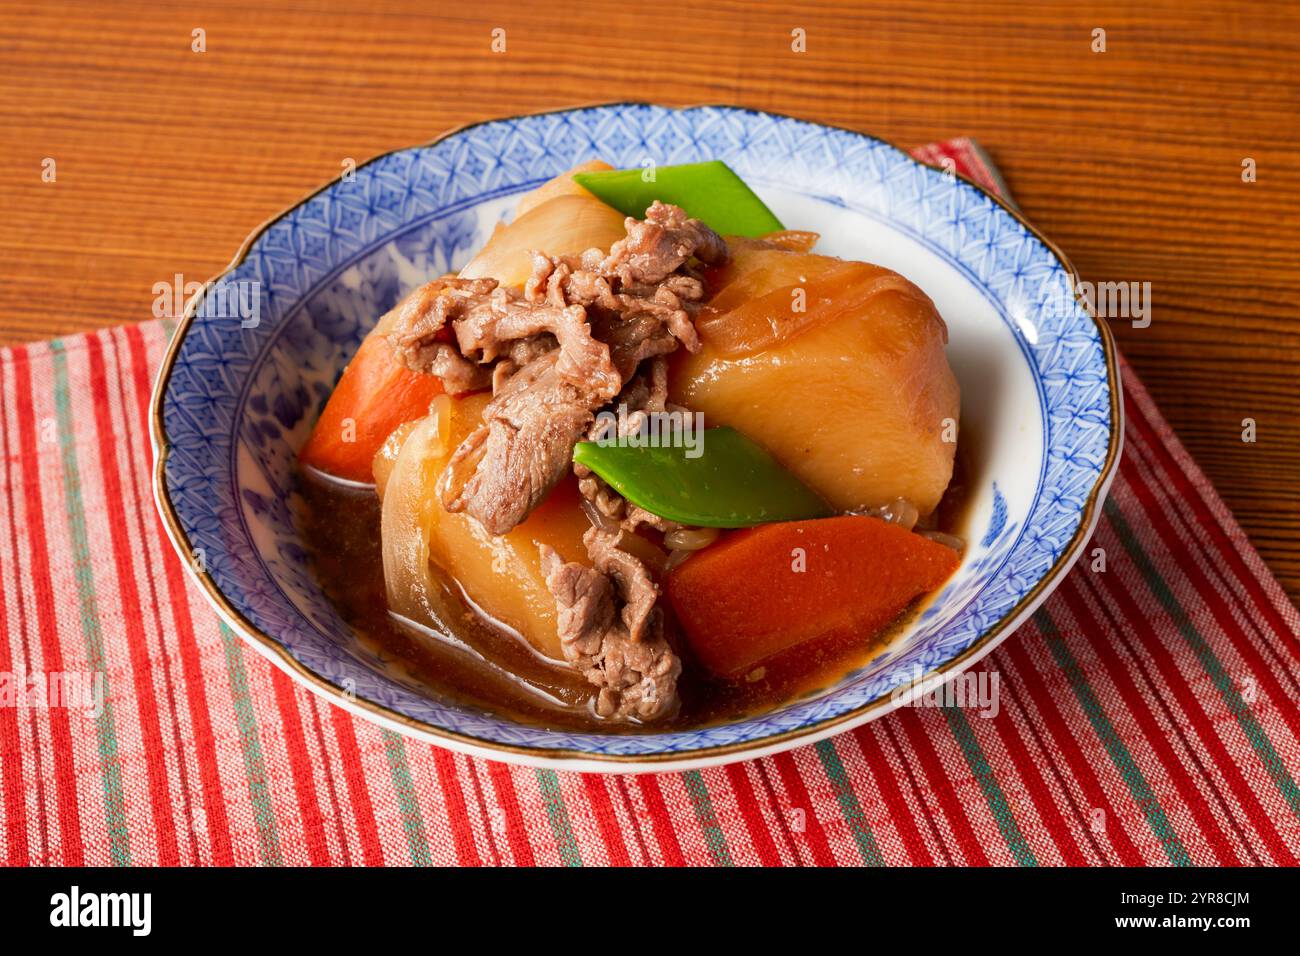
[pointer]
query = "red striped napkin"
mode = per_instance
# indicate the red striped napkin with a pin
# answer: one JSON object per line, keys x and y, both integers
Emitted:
{"x": 1147, "y": 713}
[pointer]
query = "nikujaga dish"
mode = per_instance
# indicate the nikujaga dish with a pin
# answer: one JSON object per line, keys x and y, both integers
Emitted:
{"x": 789, "y": 399}
{"x": 648, "y": 460}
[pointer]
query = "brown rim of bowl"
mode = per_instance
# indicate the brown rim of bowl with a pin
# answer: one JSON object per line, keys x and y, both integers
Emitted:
{"x": 339, "y": 696}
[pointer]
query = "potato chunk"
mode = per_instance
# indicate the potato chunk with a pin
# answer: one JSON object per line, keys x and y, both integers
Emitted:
{"x": 837, "y": 368}
{"x": 499, "y": 575}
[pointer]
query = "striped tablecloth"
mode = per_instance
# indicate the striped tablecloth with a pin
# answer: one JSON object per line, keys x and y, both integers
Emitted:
{"x": 1148, "y": 713}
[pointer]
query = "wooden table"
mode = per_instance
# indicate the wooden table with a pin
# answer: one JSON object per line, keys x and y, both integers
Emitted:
{"x": 1130, "y": 159}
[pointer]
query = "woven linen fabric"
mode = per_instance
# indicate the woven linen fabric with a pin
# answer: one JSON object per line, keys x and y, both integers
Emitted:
{"x": 1147, "y": 713}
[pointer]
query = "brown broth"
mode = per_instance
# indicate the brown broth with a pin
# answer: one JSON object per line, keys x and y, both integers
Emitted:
{"x": 482, "y": 665}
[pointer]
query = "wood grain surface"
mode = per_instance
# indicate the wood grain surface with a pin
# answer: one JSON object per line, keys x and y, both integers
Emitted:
{"x": 1131, "y": 159}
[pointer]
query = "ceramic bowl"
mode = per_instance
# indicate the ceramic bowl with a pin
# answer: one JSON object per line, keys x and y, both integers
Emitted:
{"x": 258, "y": 352}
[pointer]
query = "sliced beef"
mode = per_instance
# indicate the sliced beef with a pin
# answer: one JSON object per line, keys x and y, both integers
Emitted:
{"x": 507, "y": 465}
{"x": 487, "y": 335}
{"x": 540, "y": 410}
{"x": 421, "y": 333}
{"x": 635, "y": 586}
{"x": 459, "y": 375}
{"x": 645, "y": 393}
{"x": 633, "y": 312}
{"x": 521, "y": 353}
{"x": 633, "y": 340}
{"x": 611, "y": 630}
{"x": 489, "y": 322}
{"x": 660, "y": 245}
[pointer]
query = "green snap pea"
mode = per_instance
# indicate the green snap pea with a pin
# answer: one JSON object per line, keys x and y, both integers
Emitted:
{"x": 720, "y": 479}
{"x": 709, "y": 192}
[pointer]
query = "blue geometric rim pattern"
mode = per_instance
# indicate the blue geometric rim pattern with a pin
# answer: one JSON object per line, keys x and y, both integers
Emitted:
{"x": 238, "y": 401}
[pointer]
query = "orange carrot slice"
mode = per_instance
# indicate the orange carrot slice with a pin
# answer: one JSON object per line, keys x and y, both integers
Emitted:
{"x": 375, "y": 394}
{"x": 764, "y": 590}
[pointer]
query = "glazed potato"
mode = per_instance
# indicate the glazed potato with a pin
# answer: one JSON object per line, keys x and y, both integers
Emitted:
{"x": 852, "y": 392}
{"x": 561, "y": 185}
{"x": 426, "y": 546}
{"x": 559, "y": 217}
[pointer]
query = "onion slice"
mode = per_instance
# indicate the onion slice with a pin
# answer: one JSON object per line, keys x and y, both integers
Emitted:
{"x": 405, "y": 519}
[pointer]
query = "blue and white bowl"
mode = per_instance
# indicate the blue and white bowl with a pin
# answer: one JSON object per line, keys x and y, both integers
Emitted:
{"x": 236, "y": 398}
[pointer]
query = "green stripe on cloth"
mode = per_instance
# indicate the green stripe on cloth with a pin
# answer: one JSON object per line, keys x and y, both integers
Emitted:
{"x": 407, "y": 799}
{"x": 1109, "y": 737}
{"x": 988, "y": 781}
{"x": 713, "y": 835}
{"x": 105, "y": 724}
{"x": 251, "y": 744}
{"x": 849, "y": 806}
{"x": 559, "y": 817}
{"x": 1237, "y": 706}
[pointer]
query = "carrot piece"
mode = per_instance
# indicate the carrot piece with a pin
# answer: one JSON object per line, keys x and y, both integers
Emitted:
{"x": 764, "y": 590}
{"x": 375, "y": 394}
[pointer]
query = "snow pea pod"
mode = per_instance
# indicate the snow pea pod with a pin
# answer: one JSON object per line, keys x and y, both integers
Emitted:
{"x": 709, "y": 192}
{"x": 723, "y": 480}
